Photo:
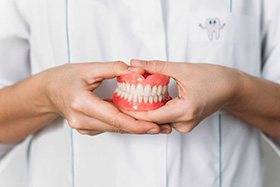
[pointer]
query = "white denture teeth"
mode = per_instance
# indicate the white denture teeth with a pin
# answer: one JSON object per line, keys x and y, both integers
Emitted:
{"x": 147, "y": 90}
{"x": 135, "y": 98}
{"x": 125, "y": 95}
{"x": 160, "y": 98}
{"x": 142, "y": 93}
{"x": 127, "y": 87}
{"x": 154, "y": 91}
{"x": 120, "y": 87}
{"x": 145, "y": 99}
{"x": 139, "y": 89}
{"x": 130, "y": 97}
{"x": 133, "y": 89}
{"x": 122, "y": 94}
{"x": 159, "y": 90}
{"x": 151, "y": 99}
{"x": 164, "y": 89}
{"x": 118, "y": 92}
{"x": 163, "y": 97}
{"x": 155, "y": 99}
{"x": 140, "y": 98}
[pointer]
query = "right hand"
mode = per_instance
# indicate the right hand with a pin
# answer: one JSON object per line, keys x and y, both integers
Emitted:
{"x": 69, "y": 92}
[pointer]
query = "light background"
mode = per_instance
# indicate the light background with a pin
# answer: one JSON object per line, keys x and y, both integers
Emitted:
{"x": 272, "y": 161}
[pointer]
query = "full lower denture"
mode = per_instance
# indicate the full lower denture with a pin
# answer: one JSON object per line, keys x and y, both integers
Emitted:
{"x": 141, "y": 92}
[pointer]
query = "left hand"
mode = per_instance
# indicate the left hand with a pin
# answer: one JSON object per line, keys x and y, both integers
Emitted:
{"x": 203, "y": 89}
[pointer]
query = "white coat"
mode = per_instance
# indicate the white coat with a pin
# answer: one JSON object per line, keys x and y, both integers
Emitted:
{"x": 221, "y": 151}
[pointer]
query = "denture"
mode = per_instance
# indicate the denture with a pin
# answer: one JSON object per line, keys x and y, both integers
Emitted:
{"x": 141, "y": 92}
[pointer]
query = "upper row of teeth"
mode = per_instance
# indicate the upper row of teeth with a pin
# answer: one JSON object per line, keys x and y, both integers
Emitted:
{"x": 139, "y": 89}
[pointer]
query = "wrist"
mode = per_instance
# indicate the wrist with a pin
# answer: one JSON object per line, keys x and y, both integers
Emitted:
{"x": 40, "y": 94}
{"x": 240, "y": 90}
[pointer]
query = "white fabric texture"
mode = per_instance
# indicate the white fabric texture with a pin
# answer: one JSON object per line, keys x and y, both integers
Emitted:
{"x": 34, "y": 38}
{"x": 14, "y": 57}
{"x": 271, "y": 50}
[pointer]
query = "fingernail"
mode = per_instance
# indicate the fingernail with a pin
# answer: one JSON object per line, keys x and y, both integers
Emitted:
{"x": 136, "y": 70}
{"x": 165, "y": 130}
{"x": 153, "y": 131}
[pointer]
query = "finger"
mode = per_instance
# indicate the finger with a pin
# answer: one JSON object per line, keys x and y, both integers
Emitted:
{"x": 108, "y": 113}
{"x": 183, "y": 127}
{"x": 168, "y": 113}
{"x": 136, "y": 70}
{"x": 165, "y": 129}
{"x": 171, "y": 69}
{"x": 85, "y": 123}
{"x": 108, "y": 70}
{"x": 90, "y": 133}
{"x": 108, "y": 100}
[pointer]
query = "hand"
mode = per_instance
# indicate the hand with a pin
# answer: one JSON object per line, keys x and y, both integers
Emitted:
{"x": 69, "y": 91}
{"x": 203, "y": 89}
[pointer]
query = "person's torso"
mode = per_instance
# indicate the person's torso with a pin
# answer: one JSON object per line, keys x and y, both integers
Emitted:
{"x": 199, "y": 31}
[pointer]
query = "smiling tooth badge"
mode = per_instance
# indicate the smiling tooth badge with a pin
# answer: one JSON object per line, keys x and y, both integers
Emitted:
{"x": 213, "y": 27}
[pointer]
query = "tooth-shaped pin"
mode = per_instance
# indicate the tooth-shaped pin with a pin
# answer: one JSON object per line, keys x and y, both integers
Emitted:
{"x": 145, "y": 99}
{"x": 140, "y": 98}
{"x": 133, "y": 89}
{"x": 155, "y": 99}
{"x": 159, "y": 90}
{"x": 130, "y": 97}
{"x": 147, "y": 90}
{"x": 164, "y": 89}
{"x": 134, "y": 98}
{"x": 151, "y": 99}
{"x": 139, "y": 89}
{"x": 154, "y": 91}
{"x": 127, "y": 87}
{"x": 160, "y": 98}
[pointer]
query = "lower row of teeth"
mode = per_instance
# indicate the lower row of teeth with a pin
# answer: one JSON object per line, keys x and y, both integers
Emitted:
{"x": 139, "y": 98}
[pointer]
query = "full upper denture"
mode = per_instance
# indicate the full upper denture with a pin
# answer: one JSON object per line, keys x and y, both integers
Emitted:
{"x": 141, "y": 92}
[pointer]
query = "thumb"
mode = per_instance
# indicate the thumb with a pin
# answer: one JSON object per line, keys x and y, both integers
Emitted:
{"x": 109, "y": 69}
{"x": 171, "y": 69}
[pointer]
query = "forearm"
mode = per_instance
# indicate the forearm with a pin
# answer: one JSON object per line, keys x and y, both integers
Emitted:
{"x": 23, "y": 110}
{"x": 258, "y": 103}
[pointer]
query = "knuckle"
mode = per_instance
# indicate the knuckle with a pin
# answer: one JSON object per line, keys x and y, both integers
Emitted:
{"x": 159, "y": 66}
{"x": 74, "y": 123}
{"x": 192, "y": 114}
{"x": 115, "y": 122}
{"x": 117, "y": 65}
{"x": 76, "y": 104}
{"x": 123, "y": 131}
{"x": 184, "y": 128}
{"x": 117, "y": 130}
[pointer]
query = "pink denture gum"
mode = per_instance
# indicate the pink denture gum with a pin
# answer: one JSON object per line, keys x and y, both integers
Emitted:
{"x": 136, "y": 92}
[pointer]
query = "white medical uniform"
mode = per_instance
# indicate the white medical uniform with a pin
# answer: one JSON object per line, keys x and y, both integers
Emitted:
{"x": 33, "y": 38}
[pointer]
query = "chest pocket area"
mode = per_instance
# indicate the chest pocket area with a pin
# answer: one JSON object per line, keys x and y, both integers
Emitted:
{"x": 227, "y": 39}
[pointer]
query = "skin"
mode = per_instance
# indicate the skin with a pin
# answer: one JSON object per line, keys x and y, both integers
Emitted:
{"x": 66, "y": 91}
{"x": 205, "y": 88}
